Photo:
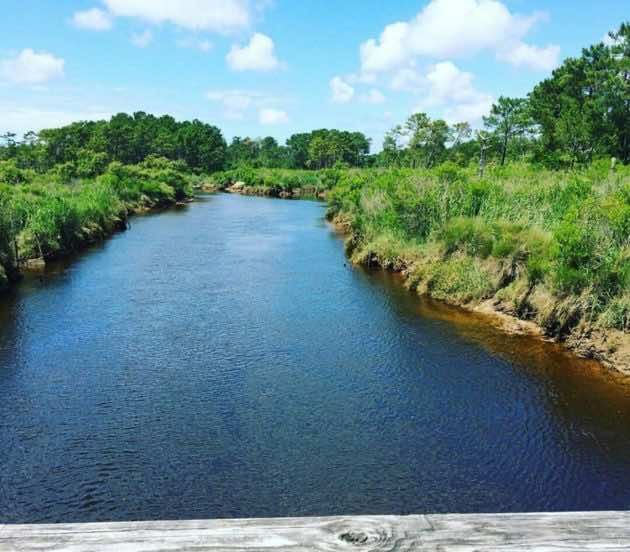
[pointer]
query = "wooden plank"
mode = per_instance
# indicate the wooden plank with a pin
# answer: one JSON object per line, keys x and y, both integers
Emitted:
{"x": 575, "y": 531}
{"x": 588, "y": 531}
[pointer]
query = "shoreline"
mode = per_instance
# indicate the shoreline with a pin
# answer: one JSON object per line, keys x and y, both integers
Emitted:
{"x": 610, "y": 348}
{"x": 91, "y": 237}
{"x": 267, "y": 191}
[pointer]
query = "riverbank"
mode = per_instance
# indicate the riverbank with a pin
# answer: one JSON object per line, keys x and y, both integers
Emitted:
{"x": 610, "y": 347}
{"x": 265, "y": 191}
{"x": 44, "y": 218}
{"x": 542, "y": 253}
{"x": 281, "y": 183}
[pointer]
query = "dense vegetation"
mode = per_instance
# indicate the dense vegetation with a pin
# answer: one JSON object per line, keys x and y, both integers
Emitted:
{"x": 45, "y": 216}
{"x": 550, "y": 246}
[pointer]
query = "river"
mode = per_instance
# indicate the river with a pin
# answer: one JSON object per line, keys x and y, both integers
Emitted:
{"x": 224, "y": 360}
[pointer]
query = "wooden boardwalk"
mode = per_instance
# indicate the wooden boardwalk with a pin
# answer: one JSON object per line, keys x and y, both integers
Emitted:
{"x": 577, "y": 532}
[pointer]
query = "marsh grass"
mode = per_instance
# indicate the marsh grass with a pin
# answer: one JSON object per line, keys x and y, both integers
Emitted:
{"x": 42, "y": 215}
{"x": 553, "y": 246}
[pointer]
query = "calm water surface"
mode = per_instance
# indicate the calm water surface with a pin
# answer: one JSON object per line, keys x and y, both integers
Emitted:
{"x": 221, "y": 360}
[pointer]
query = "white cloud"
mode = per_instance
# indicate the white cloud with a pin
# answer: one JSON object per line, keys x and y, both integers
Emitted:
{"x": 341, "y": 91}
{"x": 453, "y": 91}
{"x": 204, "y": 45}
{"x": 408, "y": 79}
{"x": 532, "y": 57}
{"x": 448, "y": 29}
{"x": 258, "y": 55}
{"x": 31, "y": 67}
{"x": 389, "y": 52}
{"x": 269, "y": 116}
{"x": 468, "y": 112}
{"x": 237, "y": 102}
{"x": 373, "y": 96}
{"x": 610, "y": 41}
{"x": 223, "y": 16}
{"x": 94, "y": 20}
{"x": 142, "y": 40}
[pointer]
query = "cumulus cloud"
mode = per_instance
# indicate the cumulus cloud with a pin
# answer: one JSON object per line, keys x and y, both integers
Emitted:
{"x": 223, "y": 16}
{"x": 237, "y": 102}
{"x": 94, "y": 20}
{"x": 257, "y": 55}
{"x": 373, "y": 96}
{"x": 195, "y": 44}
{"x": 532, "y": 57}
{"x": 31, "y": 67}
{"x": 609, "y": 40}
{"x": 341, "y": 91}
{"x": 270, "y": 116}
{"x": 450, "y": 29}
{"x": 142, "y": 40}
{"x": 408, "y": 79}
{"x": 452, "y": 90}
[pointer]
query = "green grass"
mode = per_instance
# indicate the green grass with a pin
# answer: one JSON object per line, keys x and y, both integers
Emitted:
{"x": 279, "y": 181}
{"x": 43, "y": 215}
{"x": 568, "y": 233}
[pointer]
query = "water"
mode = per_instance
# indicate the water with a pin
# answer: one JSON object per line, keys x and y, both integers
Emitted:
{"x": 222, "y": 360}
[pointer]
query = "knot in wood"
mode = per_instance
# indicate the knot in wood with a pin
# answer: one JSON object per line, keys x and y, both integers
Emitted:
{"x": 358, "y": 538}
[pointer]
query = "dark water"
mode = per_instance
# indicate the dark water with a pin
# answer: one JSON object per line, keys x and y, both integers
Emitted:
{"x": 222, "y": 361}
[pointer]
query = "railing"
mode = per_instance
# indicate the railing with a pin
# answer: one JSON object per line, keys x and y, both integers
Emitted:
{"x": 579, "y": 531}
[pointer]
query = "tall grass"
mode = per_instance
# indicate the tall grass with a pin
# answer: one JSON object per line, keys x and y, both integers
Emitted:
{"x": 566, "y": 232}
{"x": 47, "y": 216}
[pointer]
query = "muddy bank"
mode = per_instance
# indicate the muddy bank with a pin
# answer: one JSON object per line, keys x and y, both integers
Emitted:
{"x": 535, "y": 312}
{"x": 270, "y": 191}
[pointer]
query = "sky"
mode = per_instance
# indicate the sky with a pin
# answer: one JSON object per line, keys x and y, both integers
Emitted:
{"x": 276, "y": 67}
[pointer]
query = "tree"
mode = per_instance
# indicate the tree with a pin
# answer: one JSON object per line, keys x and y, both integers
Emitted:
{"x": 583, "y": 109}
{"x": 269, "y": 152}
{"x": 392, "y": 144}
{"x": 298, "y": 145}
{"x": 460, "y": 132}
{"x": 427, "y": 139}
{"x": 508, "y": 118}
{"x": 318, "y": 152}
{"x": 483, "y": 139}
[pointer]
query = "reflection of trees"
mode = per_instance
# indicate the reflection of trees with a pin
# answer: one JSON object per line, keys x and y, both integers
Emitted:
{"x": 592, "y": 402}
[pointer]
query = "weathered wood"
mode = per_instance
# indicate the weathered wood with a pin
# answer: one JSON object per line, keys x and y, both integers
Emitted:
{"x": 594, "y": 531}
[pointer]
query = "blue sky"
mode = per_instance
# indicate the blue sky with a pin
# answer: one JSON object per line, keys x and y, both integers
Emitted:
{"x": 275, "y": 67}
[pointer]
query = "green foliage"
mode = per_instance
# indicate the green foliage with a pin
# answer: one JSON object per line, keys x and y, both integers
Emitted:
{"x": 582, "y": 109}
{"x": 318, "y": 149}
{"x": 46, "y": 217}
{"x": 10, "y": 173}
{"x": 130, "y": 139}
{"x": 277, "y": 181}
{"x": 568, "y": 232}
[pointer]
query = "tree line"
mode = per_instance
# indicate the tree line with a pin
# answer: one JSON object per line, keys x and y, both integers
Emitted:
{"x": 580, "y": 113}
